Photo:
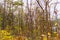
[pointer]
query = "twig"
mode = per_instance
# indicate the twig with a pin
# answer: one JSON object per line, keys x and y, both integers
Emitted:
{"x": 39, "y": 5}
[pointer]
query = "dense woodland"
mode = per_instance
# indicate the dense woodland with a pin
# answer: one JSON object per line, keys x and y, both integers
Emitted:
{"x": 33, "y": 22}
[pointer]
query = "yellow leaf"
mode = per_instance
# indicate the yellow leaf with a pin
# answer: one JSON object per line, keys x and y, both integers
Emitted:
{"x": 55, "y": 32}
{"x": 45, "y": 38}
{"x": 56, "y": 23}
{"x": 49, "y": 34}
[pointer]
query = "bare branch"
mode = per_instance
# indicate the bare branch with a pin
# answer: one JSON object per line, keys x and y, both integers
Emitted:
{"x": 55, "y": 3}
{"x": 39, "y": 5}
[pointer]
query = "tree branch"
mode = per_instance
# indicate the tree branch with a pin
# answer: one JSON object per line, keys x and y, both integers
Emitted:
{"x": 39, "y": 5}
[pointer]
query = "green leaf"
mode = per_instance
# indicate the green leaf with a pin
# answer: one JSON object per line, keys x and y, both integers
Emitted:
{"x": 17, "y": 3}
